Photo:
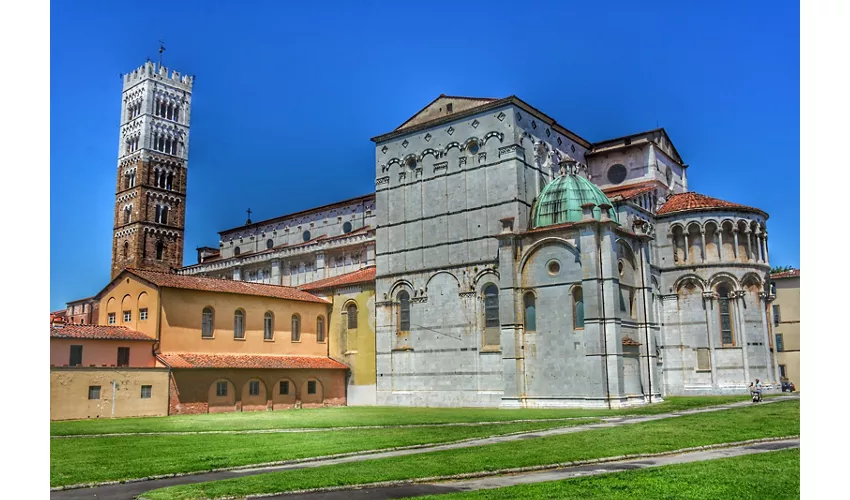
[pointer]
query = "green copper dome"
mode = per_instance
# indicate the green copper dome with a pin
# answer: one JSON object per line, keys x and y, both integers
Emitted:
{"x": 561, "y": 201}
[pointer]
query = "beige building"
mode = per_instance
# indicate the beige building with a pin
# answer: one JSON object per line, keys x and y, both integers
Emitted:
{"x": 785, "y": 322}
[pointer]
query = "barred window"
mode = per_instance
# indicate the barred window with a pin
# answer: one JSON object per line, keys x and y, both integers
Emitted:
{"x": 254, "y": 388}
{"x": 146, "y": 391}
{"x": 221, "y": 388}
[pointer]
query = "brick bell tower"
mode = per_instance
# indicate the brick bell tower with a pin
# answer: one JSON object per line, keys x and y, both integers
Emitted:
{"x": 153, "y": 152}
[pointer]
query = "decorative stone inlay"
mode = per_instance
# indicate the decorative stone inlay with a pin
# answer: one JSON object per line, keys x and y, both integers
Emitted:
{"x": 534, "y": 124}
{"x": 501, "y": 116}
{"x": 573, "y": 148}
{"x": 548, "y": 134}
{"x": 559, "y": 141}
{"x": 427, "y": 137}
{"x": 462, "y": 161}
{"x": 518, "y": 116}
{"x": 467, "y": 294}
{"x": 709, "y": 295}
{"x": 384, "y": 149}
{"x": 385, "y": 168}
{"x": 405, "y": 143}
{"x": 513, "y": 148}
{"x": 382, "y": 180}
{"x": 451, "y": 130}
{"x": 419, "y": 172}
{"x": 443, "y": 165}
{"x": 482, "y": 157}
{"x": 419, "y": 300}
{"x": 402, "y": 176}
{"x": 475, "y": 123}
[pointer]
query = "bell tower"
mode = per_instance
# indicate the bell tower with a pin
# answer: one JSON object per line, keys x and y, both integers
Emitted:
{"x": 153, "y": 152}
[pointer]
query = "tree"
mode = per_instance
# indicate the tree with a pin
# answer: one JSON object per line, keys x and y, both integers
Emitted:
{"x": 780, "y": 269}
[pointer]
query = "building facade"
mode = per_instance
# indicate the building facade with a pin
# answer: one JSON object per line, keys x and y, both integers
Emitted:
{"x": 785, "y": 324}
{"x": 153, "y": 153}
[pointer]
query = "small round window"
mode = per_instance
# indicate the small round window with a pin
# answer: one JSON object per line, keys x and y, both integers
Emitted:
{"x": 346, "y": 228}
{"x": 410, "y": 161}
{"x": 617, "y": 174}
{"x": 306, "y": 235}
{"x": 554, "y": 267}
{"x": 236, "y": 251}
{"x": 473, "y": 146}
{"x": 269, "y": 243}
{"x": 620, "y": 267}
{"x": 669, "y": 176}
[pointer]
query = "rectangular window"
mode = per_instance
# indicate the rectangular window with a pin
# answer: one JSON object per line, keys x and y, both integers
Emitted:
{"x": 94, "y": 392}
{"x": 311, "y": 387}
{"x": 76, "y": 355}
{"x": 725, "y": 322}
{"x": 127, "y": 316}
{"x": 110, "y": 318}
{"x": 146, "y": 391}
{"x": 782, "y": 372}
{"x": 143, "y": 314}
{"x": 776, "y": 317}
{"x": 254, "y": 387}
{"x": 703, "y": 359}
{"x": 123, "y": 356}
{"x": 284, "y": 388}
{"x": 221, "y": 388}
{"x": 780, "y": 345}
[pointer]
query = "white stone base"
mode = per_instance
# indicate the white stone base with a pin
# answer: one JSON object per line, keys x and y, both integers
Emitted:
{"x": 594, "y": 403}
{"x": 362, "y": 395}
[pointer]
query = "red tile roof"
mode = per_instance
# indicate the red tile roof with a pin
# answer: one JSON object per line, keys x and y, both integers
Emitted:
{"x": 628, "y": 341}
{"x": 686, "y": 202}
{"x": 629, "y": 192}
{"x": 364, "y": 275}
{"x": 794, "y": 273}
{"x": 98, "y": 332}
{"x": 169, "y": 280}
{"x": 272, "y": 361}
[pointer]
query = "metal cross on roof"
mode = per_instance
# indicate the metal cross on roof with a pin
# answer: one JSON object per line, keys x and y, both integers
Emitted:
{"x": 249, "y": 216}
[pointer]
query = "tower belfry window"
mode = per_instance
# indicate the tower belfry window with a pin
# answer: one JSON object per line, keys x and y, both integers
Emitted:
{"x": 160, "y": 249}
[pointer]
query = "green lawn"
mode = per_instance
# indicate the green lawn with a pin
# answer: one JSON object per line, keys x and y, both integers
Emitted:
{"x": 356, "y": 416}
{"x": 774, "y": 475}
{"x": 757, "y": 421}
{"x": 98, "y": 459}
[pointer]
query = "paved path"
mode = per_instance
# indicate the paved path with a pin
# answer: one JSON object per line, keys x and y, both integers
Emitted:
{"x": 421, "y": 489}
{"x": 126, "y": 491}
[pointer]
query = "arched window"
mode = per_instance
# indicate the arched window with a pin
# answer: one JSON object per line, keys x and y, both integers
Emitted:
{"x": 156, "y": 213}
{"x": 352, "y": 316}
{"x": 160, "y": 249}
{"x": 530, "y": 316}
{"x": 269, "y": 243}
{"x": 126, "y": 249}
{"x": 578, "y": 308}
{"x": 320, "y": 329}
{"x": 168, "y": 181}
{"x": 346, "y": 227}
{"x": 268, "y": 326}
{"x": 239, "y": 324}
{"x": 726, "y": 332}
{"x": 207, "y": 323}
{"x": 176, "y": 113}
{"x": 306, "y": 236}
{"x": 491, "y": 316}
{"x": 296, "y": 328}
{"x": 127, "y": 215}
{"x": 404, "y": 311}
{"x": 163, "y": 215}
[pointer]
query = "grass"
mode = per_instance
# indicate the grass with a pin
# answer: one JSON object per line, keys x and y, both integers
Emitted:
{"x": 774, "y": 420}
{"x": 99, "y": 459}
{"x": 356, "y": 416}
{"x": 774, "y": 475}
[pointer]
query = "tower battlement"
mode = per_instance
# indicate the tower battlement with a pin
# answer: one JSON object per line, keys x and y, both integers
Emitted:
{"x": 154, "y": 71}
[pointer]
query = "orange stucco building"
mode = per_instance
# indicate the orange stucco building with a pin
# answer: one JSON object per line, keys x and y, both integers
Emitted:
{"x": 229, "y": 345}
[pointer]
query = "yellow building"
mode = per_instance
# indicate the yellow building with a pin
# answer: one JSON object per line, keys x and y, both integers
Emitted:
{"x": 785, "y": 322}
{"x": 352, "y": 329}
{"x": 230, "y": 345}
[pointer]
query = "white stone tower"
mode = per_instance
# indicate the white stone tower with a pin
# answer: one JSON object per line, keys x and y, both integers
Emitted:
{"x": 153, "y": 152}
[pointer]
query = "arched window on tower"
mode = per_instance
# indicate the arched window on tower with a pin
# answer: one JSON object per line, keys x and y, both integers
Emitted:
{"x": 530, "y": 315}
{"x": 174, "y": 147}
{"x": 163, "y": 215}
{"x": 168, "y": 145}
{"x": 157, "y": 214}
{"x": 170, "y": 111}
{"x": 404, "y": 311}
{"x": 578, "y": 308}
{"x": 176, "y": 113}
{"x": 126, "y": 249}
{"x": 168, "y": 181}
{"x": 127, "y": 215}
{"x": 160, "y": 249}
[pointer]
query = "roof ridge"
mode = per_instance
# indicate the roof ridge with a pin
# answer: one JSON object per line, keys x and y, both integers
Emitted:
{"x": 211, "y": 278}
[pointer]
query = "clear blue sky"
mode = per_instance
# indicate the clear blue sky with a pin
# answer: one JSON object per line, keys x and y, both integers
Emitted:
{"x": 288, "y": 95}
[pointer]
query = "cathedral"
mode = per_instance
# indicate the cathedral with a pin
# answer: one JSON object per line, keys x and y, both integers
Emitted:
{"x": 502, "y": 261}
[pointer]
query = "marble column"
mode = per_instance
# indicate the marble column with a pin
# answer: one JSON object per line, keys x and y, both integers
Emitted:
{"x": 704, "y": 249}
{"x": 708, "y": 298}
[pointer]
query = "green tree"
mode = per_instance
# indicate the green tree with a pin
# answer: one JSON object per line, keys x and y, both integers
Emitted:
{"x": 780, "y": 269}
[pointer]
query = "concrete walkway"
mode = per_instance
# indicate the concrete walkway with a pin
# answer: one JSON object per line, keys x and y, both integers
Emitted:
{"x": 501, "y": 481}
{"x": 129, "y": 490}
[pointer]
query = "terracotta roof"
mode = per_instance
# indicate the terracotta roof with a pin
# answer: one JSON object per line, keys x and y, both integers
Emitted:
{"x": 99, "y": 332}
{"x": 629, "y": 192}
{"x": 628, "y": 341}
{"x": 169, "y": 280}
{"x": 364, "y": 275}
{"x": 794, "y": 273}
{"x": 686, "y": 202}
{"x": 204, "y": 360}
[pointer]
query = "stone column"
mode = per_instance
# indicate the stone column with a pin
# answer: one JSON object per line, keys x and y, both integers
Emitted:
{"x": 757, "y": 237}
{"x": 767, "y": 360}
{"x": 687, "y": 247}
{"x": 708, "y": 298}
{"x": 766, "y": 254}
{"x": 749, "y": 233}
{"x": 511, "y": 335}
{"x": 720, "y": 243}
{"x": 739, "y": 318}
{"x": 704, "y": 249}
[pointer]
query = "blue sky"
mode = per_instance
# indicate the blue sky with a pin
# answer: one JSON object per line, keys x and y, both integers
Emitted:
{"x": 288, "y": 95}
